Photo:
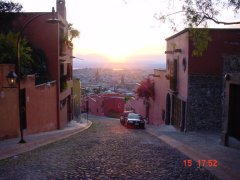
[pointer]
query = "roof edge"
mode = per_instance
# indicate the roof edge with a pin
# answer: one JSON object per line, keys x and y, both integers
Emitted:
{"x": 211, "y": 29}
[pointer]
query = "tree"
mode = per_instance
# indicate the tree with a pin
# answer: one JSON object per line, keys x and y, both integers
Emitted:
{"x": 39, "y": 65}
{"x": 8, "y": 11}
{"x": 199, "y": 13}
{"x": 146, "y": 91}
{"x": 71, "y": 34}
{"x": 8, "y": 51}
{"x": 9, "y": 6}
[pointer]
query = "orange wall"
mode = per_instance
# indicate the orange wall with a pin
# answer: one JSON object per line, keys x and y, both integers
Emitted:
{"x": 41, "y": 107}
{"x": 47, "y": 37}
{"x": 9, "y": 117}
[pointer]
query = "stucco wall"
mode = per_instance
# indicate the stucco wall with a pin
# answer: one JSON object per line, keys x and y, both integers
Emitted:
{"x": 179, "y": 42}
{"x": 9, "y": 117}
{"x": 158, "y": 106}
{"x": 113, "y": 106}
{"x": 45, "y": 36}
{"x": 95, "y": 105}
{"x": 41, "y": 107}
{"x": 137, "y": 105}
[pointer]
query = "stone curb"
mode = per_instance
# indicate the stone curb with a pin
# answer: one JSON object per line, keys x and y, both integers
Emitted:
{"x": 22, "y": 148}
{"x": 222, "y": 172}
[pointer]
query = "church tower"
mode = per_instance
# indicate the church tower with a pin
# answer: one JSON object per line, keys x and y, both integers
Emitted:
{"x": 97, "y": 76}
{"x": 61, "y": 8}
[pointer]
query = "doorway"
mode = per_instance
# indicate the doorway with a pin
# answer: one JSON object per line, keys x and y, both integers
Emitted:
{"x": 168, "y": 109}
{"x": 234, "y": 111}
{"x": 22, "y": 103}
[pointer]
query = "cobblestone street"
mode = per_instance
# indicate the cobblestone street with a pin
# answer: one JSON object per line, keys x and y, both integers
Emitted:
{"x": 106, "y": 150}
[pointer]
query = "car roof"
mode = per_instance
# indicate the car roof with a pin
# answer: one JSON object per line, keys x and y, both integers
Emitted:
{"x": 134, "y": 114}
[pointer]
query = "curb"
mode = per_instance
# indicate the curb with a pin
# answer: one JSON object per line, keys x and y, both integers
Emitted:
{"x": 22, "y": 148}
{"x": 221, "y": 172}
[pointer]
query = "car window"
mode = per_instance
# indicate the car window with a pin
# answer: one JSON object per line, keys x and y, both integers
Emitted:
{"x": 133, "y": 116}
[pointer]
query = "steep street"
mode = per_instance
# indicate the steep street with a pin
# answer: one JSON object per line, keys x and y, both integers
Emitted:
{"x": 106, "y": 150}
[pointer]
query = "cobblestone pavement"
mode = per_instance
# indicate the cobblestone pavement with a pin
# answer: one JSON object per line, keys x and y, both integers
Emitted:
{"x": 106, "y": 150}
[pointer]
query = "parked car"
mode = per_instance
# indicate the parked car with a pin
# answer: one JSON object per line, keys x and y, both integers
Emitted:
{"x": 123, "y": 117}
{"x": 134, "y": 120}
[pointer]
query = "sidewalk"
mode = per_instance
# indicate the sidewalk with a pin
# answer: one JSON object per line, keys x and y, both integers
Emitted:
{"x": 11, "y": 147}
{"x": 201, "y": 146}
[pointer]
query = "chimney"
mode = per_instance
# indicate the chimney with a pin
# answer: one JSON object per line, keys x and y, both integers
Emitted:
{"x": 61, "y": 8}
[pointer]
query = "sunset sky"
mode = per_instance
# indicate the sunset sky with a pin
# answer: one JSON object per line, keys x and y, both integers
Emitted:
{"x": 115, "y": 31}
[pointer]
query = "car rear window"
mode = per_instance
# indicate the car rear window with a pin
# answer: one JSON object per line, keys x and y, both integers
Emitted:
{"x": 133, "y": 116}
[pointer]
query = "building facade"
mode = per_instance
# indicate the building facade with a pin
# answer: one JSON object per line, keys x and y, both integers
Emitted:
{"x": 111, "y": 105}
{"x": 231, "y": 103}
{"x": 157, "y": 106}
{"x": 195, "y": 95}
{"x": 49, "y": 105}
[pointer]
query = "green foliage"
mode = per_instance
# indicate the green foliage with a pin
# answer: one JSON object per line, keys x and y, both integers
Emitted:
{"x": 71, "y": 34}
{"x": 8, "y": 12}
{"x": 39, "y": 66}
{"x": 9, "y": 6}
{"x": 32, "y": 60}
{"x": 200, "y": 39}
{"x": 126, "y": 99}
{"x": 235, "y": 4}
{"x": 198, "y": 13}
{"x": 97, "y": 90}
{"x": 8, "y": 51}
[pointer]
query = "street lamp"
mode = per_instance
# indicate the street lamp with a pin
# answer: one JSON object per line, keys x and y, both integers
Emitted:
{"x": 53, "y": 20}
{"x": 12, "y": 78}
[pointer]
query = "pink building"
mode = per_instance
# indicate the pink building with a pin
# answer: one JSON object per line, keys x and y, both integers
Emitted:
{"x": 46, "y": 106}
{"x": 39, "y": 102}
{"x": 157, "y": 107}
{"x": 195, "y": 95}
{"x": 111, "y": 105}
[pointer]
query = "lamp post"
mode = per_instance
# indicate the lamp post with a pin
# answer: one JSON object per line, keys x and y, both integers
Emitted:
{"x": 53, "y": 20}
{"x": 12, "y": 79}
{"x": 87, "y": 106}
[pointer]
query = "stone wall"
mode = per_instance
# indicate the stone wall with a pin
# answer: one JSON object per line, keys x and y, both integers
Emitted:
{"x": 231, "y": 64}
{"x": 204, "y": 107}
{"x": 232, "y": 68}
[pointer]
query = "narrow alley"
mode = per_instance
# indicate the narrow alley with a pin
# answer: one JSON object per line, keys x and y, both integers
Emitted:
{"x": 106, "y": 150}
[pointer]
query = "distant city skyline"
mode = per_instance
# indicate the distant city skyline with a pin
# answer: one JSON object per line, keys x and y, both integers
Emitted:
{"x": 143, "y": 62}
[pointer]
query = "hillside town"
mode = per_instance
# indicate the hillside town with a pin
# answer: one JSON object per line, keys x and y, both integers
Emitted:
{"x": 193, "y": 94}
